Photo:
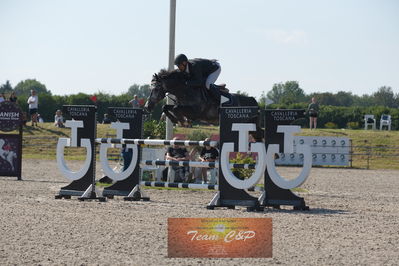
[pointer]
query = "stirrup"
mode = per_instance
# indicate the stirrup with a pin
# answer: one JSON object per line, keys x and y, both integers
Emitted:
{"x": 222, "y": 87}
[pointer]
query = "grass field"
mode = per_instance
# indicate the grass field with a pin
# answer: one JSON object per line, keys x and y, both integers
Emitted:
{"x": 381, "y": 146}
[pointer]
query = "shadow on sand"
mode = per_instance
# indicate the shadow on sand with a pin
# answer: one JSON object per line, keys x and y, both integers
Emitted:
{"x": 311, "y": 211}
{"x": 7, "y": 178}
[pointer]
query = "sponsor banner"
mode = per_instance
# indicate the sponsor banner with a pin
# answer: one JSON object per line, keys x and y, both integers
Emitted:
{"x": 220, "y": 237}
{"x": 10, "y": 116}
{"x": 10, "y": 161}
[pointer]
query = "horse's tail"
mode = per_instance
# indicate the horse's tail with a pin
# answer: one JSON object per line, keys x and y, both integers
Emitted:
{"x": 242, "y": 100}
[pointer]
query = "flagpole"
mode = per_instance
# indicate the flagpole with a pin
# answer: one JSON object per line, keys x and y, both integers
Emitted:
{"x": 172, "y": 25}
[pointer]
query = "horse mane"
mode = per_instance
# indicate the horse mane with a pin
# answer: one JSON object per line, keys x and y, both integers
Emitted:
{"x": 163, "y": 73}
{"x": 174, "y": 74}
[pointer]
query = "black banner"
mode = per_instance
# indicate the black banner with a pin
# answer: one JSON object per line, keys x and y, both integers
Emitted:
{"x": 10, "y": 156}
{"x": 276, "y": 196}
{"x": 230, "y": 196}
{"x": 87, "y": 114}
{"x": 10, "y": 144}
{"x": 134, "y": 117}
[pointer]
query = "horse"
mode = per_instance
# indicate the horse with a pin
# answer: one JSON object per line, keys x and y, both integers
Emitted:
{"x": 191, "y": 104}
{"x": 7, "y": 155}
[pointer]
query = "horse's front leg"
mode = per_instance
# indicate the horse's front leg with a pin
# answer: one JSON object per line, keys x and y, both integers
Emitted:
{"x": 168, "y": 111}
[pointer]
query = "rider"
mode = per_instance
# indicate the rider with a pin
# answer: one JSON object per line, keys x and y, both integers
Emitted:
{"x": 201, "y": 72}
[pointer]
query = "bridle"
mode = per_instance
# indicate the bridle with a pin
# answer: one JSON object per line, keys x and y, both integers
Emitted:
{"x": 158, "y": 84}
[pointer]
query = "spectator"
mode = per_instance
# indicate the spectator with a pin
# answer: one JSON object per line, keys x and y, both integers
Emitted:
{"x": 313, "y": 111}
{"x": 135, "y": 102}
{"x": 106, "y": 119}
{"x": 13, "y": 97}
{"x": 2, "y": 97}
{"x": 33, "y": 102}
{"x": 208, "y": 154}
{"x": 194, "y": 172}
{"x": 39, "y": 118}
{"x": 176, "y": 153}
{"x": 24, "y": 118}
{"x": 58, "y": 119}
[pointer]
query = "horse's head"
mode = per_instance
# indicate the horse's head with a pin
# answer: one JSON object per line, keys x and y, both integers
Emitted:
{"x": 157, "y": 93}
{"x": 162, "y": 83}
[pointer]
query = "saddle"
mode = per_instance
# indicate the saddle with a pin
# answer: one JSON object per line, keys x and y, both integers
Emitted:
{"x": 214, "y": 97}
{"x": 222, "y": 87}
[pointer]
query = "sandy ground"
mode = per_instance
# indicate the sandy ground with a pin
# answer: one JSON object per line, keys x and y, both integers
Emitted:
{"x": 354, "y": 219}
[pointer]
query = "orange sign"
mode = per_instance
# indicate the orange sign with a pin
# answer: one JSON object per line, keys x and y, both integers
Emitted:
{"x": 220, "y": 237}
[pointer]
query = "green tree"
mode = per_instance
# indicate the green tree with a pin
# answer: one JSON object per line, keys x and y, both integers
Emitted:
{"x": 6, "y": 87}
{"x": 78, "y": 99}
{"x": 276, "y": 93}
{"x": 24, "y": 87}
{"x": 262, "y": 100}
{"x": 344, "y": 98}
{"x": 385, "y": 97}
{"x": 341, "y": 98}
{"x": 363, "y": 101}
{"x": 325, "y": 98}
{"x": 47, "y": 107}
{"x": 287, "y": 93}
{"x": 142, "y": 91}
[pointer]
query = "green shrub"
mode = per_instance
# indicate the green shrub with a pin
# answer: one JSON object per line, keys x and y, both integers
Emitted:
{"x": 242, "y": 159}
{"x": 198, "y": 135}
{"x": 330, "y": 125}
{"x": 353, "y": 125}
{"x": 154, "y": 129}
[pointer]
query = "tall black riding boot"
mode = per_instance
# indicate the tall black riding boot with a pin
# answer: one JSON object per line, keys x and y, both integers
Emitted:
{"x": 215, "y": 92}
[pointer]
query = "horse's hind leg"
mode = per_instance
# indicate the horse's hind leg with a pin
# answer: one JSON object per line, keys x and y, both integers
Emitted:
{"x": 185, "y": 114}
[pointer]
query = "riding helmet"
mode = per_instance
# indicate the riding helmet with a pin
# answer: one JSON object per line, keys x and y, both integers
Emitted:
{"x": 180, "y": 59}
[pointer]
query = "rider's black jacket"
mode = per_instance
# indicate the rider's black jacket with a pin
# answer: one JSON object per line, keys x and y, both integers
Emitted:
{"x": 199, "y": 70}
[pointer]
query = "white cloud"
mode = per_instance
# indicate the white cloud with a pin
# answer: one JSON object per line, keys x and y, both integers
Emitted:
{"x": 286, "y": 36}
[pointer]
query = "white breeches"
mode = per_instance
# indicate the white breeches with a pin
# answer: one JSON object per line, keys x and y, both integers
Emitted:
{"x": 213, "y": 76}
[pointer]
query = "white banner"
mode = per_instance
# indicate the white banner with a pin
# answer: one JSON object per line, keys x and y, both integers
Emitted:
{"x": 325, "y": 151}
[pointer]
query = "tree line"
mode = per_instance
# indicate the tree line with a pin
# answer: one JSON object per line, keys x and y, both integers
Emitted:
{"x": 290, "y": 93}
{"x": 49, "y": 103}
{"x": 342, "y": 109}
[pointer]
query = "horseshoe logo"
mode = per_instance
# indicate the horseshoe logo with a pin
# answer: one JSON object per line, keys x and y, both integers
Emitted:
{"x": 108, "y": 171}
{"x": 72, "y": 142}
{"x": 288, "y": 146}
{"x": 120, "y": 127}
{"x": 243, "y": 130}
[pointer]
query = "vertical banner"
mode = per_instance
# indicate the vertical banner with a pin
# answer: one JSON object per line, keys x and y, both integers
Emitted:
{"x": 83, "y": 130}
{"x": 10, "y": 144}
{"x": 275, "y": 195}
{"x": 220, "y": 237}
{"x": 128, "y": 125}
{"x": 230, "y": 119}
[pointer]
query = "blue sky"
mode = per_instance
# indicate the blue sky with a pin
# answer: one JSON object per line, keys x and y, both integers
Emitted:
{"x": 95, "y": 45}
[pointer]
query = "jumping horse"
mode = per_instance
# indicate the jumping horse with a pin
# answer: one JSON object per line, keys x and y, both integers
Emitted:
{"x": 191, "y": 104}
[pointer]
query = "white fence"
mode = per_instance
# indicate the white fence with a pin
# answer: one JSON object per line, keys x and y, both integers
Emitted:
{"x": 325, "y": 150}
